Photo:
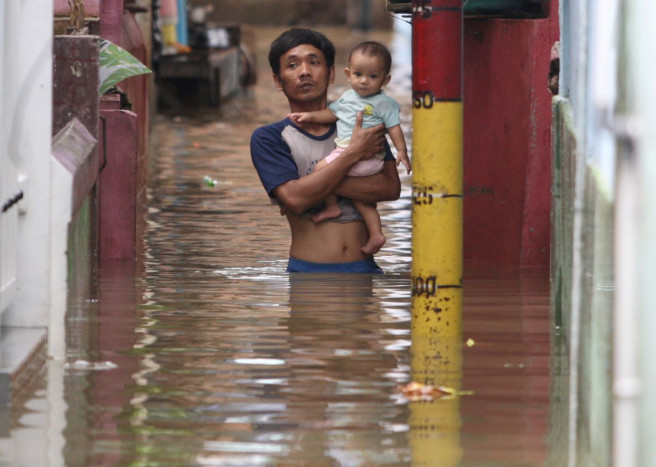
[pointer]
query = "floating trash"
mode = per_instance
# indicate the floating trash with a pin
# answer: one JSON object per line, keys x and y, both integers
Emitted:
{"x": 85, "y": 365}
{"x": 209, "y": 182}
{"x": 414, "y": 391}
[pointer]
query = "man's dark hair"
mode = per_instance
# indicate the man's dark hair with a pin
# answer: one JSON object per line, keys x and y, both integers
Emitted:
{"x": 295, "y": 37}
{"x": 374, "y": 49}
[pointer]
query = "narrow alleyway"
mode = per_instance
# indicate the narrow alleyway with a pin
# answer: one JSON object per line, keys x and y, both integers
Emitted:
{"x": 222, "y": 358}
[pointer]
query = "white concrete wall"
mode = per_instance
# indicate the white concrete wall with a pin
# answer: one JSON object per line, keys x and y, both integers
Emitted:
{"x": 608, "y": 76}
{"x": 578, "y": 21}
{"x": 8, "y": 187}
{"x": 589, "y": 67}
{"x": 641, "y": 70}
{"x": 25, "y": 145}
{"x": 26, "y": 139}
{"x": 635, "y": 367}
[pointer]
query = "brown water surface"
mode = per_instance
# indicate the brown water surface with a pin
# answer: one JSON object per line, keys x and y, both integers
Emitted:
{"x": 222, "y": 358}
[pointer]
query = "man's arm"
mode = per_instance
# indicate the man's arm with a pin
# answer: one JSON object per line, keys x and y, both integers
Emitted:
{"x": 301, "y": 194}
{"x": 384, "y": 186}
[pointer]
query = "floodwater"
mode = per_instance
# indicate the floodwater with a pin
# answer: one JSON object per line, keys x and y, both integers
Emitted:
{"x": 208, "y": 353}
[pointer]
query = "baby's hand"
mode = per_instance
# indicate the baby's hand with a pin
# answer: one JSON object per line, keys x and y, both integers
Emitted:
{"x": 294, "y": 117}
{"x": 299, "y": 117}
{"x": 402, "y": 156}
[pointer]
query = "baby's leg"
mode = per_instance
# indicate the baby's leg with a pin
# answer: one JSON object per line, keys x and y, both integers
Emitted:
{"x": 372, "y": 221}
{"x": 332, "y": 209}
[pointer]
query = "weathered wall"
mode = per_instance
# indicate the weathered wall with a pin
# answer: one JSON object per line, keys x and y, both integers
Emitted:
{"x": 507, "y": 144}
{"x": 296, "y": 12}
{"x": 91, "y": 7}
{"x": 583, "y": 289}
{"x": 138, "y": 90}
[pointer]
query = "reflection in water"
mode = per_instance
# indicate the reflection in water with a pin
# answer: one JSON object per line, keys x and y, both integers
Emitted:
{"x": 435, "y": 424}
{"x": 224, "y": 359}
{"x": 249, "y": 370}
{"x": 507, "y": 316}
{"x": 436, "y": 351}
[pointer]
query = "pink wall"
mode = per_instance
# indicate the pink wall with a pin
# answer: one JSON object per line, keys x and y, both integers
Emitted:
{"x": 507, "y": 143}
{"x": 122, "y": 187}
{"x": 91, "y": 8}
{"x": 111, "y": 14}
{"x": 138, "y": 90}
{"x": 118, "y": 183}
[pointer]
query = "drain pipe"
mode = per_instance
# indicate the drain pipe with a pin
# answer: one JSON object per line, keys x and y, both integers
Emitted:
{"x": 627, "y": 383}
{"x": 437, "y": 227}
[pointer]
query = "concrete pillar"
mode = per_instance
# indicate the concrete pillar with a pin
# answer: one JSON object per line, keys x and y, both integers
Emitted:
{"x": 118, "y": 182}
{"x": 642, "y": 73}
{"x": 26, "y": 132}
{"x": 111, "y": 13}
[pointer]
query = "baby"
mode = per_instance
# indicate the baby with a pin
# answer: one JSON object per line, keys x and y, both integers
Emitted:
{"x": 369, "y": 65}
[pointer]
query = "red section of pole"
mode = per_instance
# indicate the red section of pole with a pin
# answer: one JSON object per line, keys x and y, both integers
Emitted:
{"x": 437, "y": 49}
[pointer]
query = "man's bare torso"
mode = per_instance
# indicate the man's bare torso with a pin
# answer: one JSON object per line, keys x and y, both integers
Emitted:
{"x": 326, "y": 242}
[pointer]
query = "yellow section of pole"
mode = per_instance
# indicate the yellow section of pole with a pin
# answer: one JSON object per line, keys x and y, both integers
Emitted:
{"x": 437, "y": 220}
{"x": 437, "y": 268}
{"x": 437, "y": 281}
{"x": 437, "y": 146}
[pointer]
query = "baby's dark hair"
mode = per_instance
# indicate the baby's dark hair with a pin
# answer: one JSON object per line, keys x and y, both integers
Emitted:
{"x": 374, "y": 49}
{"x": 295, "y": 37}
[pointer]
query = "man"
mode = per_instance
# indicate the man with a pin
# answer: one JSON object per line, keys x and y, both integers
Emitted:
{"x": 284, "y": 155}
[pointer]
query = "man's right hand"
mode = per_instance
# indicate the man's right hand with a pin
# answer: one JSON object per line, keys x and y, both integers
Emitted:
{"x": 367, "y": 142}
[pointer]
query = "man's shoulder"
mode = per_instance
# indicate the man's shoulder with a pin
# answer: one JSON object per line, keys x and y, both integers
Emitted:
{"x": 272, "y": 128}
{"x": 284, "y": 136}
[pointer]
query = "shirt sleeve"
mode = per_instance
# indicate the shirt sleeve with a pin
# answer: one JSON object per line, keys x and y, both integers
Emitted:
{"x": 272, "y": 158}
{"x": 390, "y": 112}
{"x": 334, "y": 106}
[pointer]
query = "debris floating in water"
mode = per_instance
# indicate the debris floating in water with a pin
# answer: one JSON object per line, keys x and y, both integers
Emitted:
{"x": 414, "y": 391}
{"x": 209, "y": 181}
{"x": 85, "y": 365}
{"x": 417, "y": 391}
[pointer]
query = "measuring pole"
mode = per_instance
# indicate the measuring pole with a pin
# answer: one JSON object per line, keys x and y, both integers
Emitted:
{"x": 437, "y": 226}
{"x": 437, "y": 167}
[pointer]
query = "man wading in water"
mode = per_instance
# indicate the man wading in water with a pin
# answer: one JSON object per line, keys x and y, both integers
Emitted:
{"x": 284, "y": 156}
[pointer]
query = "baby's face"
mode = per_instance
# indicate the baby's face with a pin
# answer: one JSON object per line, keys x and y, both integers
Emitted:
{"x": 366, "y": 74}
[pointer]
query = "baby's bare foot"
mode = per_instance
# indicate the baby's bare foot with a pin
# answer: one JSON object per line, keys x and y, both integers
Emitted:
{"x": 330, "y": 212}
{"x": 374, "y": 244}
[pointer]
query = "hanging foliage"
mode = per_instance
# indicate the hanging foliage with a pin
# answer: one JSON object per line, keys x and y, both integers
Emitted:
{"x": 117, "y": 64}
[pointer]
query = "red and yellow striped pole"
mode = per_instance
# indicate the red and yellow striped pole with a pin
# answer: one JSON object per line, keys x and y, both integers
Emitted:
{"x": 437, "y": 189}
{"x": 437, "y": 160}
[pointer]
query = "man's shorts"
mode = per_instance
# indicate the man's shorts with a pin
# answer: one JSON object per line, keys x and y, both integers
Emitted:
{"x": 365, "y": 266}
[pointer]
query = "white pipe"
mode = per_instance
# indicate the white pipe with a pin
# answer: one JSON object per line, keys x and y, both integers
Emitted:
{"x": 626, "y": 378}
{"x": 575, "y": 312}
{"x": 635, "y": 367}
{"x": 642, "y": 71}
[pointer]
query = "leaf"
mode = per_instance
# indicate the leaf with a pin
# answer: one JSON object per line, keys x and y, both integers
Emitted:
{"x": 117, "y": 64}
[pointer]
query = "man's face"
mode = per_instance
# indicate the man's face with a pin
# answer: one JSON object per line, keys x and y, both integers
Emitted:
{"x": 304, "y": 75}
